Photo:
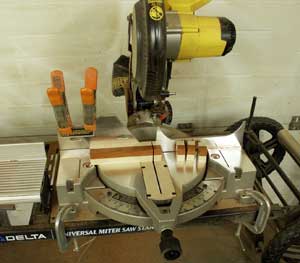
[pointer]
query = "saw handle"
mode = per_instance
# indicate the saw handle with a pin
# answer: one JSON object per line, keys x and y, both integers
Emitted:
{"x": 88, "y": 97}
{"x": 57, "y": 98}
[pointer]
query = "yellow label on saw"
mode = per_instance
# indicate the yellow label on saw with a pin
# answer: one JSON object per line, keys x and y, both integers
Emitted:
{"x": 156, "y": 13}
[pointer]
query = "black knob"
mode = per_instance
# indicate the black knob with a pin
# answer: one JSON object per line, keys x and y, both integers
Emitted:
{"x": 170, "y": 246}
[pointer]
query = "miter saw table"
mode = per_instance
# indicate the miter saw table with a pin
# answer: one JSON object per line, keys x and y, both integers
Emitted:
{"x": 87, "y": 223}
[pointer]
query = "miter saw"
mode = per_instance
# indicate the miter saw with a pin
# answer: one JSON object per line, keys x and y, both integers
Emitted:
{"x": 148, "y": 174}
{"x": 165, "y": 178}
{"x": 160, "y": 33}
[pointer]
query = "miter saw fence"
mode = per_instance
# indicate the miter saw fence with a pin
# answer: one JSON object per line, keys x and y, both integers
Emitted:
{"x": 161, "y": 32}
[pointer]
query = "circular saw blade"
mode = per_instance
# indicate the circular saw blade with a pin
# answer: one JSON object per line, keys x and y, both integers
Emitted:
{"x": 149, "y": 44}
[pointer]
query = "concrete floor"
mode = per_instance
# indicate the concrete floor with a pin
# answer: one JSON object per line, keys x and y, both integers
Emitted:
{"x": 205, "y": 243}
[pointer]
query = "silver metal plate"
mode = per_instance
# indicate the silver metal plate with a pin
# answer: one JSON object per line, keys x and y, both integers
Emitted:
{"x": 22, "y": 169}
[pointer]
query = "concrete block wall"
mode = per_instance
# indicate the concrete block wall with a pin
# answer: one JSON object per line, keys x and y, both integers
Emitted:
{"x": 38, "y": 36}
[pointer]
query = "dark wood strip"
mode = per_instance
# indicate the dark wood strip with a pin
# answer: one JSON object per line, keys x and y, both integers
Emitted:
{"x": 157, "y": 150}
{"x": 202, "y": 151}
{"x": 180, "y": 150}
{"x": 121, "y": 152}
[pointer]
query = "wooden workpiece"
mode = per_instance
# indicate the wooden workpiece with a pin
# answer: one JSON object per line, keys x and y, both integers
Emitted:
{"x": 191, "y": 156}
{"x": 157, "y": 152}
{"x": 187, "y": 153}
{"x": 180, "y": 151}
{"x": 104, "y": 151}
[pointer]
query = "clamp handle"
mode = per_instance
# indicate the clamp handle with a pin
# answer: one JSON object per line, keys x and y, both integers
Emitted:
{"x": 88, "y": 97}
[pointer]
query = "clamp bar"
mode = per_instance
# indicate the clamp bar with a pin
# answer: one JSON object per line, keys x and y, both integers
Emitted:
{"x": 62, "y": 241}
{"x": 57, "y": 97}
{"x": 263, "y": 214}
{"x": 88, "y": 97}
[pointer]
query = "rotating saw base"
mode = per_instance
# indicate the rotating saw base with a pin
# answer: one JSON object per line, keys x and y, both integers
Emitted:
{"x": 127, "y": 209}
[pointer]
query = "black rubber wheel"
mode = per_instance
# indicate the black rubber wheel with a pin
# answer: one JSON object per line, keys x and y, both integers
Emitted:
{"x": 285, "y": 247}
{"x": 271, "y": 127}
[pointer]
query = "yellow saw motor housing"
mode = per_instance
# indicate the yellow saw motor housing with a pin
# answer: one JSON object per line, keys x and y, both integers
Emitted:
{"x": 190, "y": 36}
{"x": 185, "y": 5}
{"x": 201, "y": 37}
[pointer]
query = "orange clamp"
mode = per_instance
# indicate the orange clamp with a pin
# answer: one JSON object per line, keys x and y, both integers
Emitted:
{"x": 55, "y": 97}
{"x": 57, "y": 79}
{"x": 88, "y": 96}
{"x": 91, "y": 78}
{"x": 90, "y": 128}
{"x": 65, "y": 131}
{"x": 58, "y": 100}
